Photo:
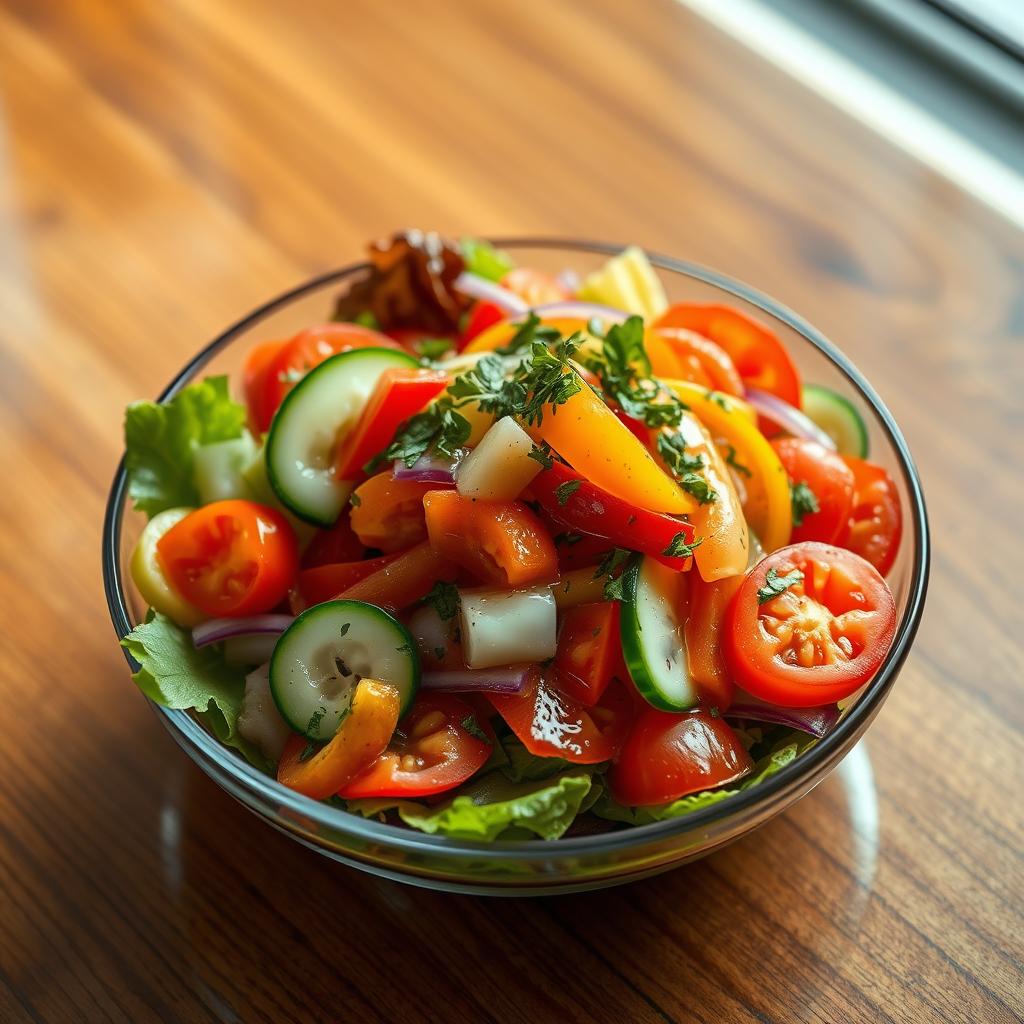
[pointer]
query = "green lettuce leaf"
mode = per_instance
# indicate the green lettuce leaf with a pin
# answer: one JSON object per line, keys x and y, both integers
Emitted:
{"x": 173, "y": 673}
{"x": 522, "y": 766}
{"x": 484, "y": 260}
{"x": 492, "y": 804}
{"x": 160, "y": 441}
{"x": 607, "y": 807}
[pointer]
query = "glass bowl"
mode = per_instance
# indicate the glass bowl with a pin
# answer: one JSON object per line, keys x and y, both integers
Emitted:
{"x": 583, "y": 862}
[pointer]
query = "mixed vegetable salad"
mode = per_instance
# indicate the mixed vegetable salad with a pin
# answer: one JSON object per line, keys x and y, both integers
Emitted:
{"x": 495, "y": 553}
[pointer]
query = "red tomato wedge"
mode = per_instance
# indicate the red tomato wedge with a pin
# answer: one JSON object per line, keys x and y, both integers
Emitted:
{"x": 399, "y": 394}
{"x": 337, "y": 543}
{"x": 230, "y": 558}
{"x": 325, "y": 582}
{"x": 550, "y": 723}
{"x": 307, "y": 349}
{"x": 875, "y": 526}
{"x": 828, "y": 477}
{"x": 718, "y": 369}
{"x": 403, "y": 580}
{"x": 581, "y": 506}
{"x": 501, "y": 542}
{"x": 431, "y": 751}
{"x": 388, "y": 513}
{"x": 254, "y": 376}
{"x": 755, "y": 350}
{"x": 589, "y": 650}
{"x": 819, "y": 638}
{"x": 481, "y": 316}
{"x": 668, "y": 756}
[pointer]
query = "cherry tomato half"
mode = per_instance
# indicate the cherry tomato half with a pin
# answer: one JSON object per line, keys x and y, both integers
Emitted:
{"x": 668, "y": 756}
{"x": 231, "y": 558}
{"x": 307, "y": 349}
{"x": 876, "y": 521}
{"x": 755, "y": 349}
{"x": 535, "y": 287}
{"x": 818, "y": 639}
{"x": 550, "y": 723}
{"x": 433, "y": 750}
{"x": 831, "y": 480}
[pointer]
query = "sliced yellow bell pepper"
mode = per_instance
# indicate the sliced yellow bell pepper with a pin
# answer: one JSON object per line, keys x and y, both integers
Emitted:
{"x": 592, "y": 439}
{"x": 766, "y": 502}
{"x": 501, "y": 333}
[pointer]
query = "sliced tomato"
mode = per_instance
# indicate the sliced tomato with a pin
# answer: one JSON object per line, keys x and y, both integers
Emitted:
{"x": 535, "y": 287}
{"x": 435, "y": 748}
{"x": 388, "y": 513}
{"x": 875, "y": 526}
{"x": 399, "y": 395}
{"x": 709, "y": 603}
{"x": 338, "y": 543}
{"x": 830, "y": 480}
{"x": 481, "y": 316}
{"x": 501, "y": 542}
{"x": 718, "y": 370}
{"x": 307, "y": 349}
{"x": 402, "y": 580}
{"x": 585, "y": 508}
{"x": 362, "y": 737}
{"x": 668, "y": 756}
{"x": 755, "y": 350}
{"x": 818, "y": 640}
{"x": 325, "y": 582}
{"x": 254, "y": 376}
{"x": 550, "y": 723}
{"x": 231, "y": 557}
{"x": 588, "y": 650}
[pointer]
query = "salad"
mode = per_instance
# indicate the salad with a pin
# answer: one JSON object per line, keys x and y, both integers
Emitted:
{"x": 499, "y": 554}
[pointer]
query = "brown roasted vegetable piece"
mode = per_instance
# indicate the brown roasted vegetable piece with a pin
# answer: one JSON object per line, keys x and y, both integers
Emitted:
{"x": 410, "y": 283}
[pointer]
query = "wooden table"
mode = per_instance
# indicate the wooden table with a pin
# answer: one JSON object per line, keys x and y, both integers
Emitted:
{"x": 166, "y": 166}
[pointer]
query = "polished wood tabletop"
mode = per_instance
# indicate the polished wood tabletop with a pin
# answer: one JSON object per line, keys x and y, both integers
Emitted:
{"x": 164, "y": 167}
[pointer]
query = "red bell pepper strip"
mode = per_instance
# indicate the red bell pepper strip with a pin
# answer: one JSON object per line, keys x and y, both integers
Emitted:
{"x": 324, "y": 582}
{"x": 399, "y": 394}
{"x": 403, "y": 580}
{"x": 581, "y": 506}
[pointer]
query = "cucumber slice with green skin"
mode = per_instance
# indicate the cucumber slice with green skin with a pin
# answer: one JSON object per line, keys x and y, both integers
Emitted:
{"x": 839, "y": 419}
{"x": 315, "y": 414}
{"x": 652, "y": 637}
{"x": 321, "y": 657}
{"x": 218, "y": 469}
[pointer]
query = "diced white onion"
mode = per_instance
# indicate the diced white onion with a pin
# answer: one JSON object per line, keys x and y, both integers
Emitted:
{"x": 499, "y": 467}
{"x": 507, "y": 626}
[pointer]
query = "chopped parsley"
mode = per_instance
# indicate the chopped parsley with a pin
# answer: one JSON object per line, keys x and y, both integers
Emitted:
{"x": 439, "y": 653}
{"x": 774, "y": 584}
{"x": 684, "y": 467}
{"x": 612, "y": 567}
{"x": 444, "y": 597}
{"x": 433, "y": 348}
{"x": 472, "y": 726}
{"x": 542, "y": 454}
{"x": 719, "y": 399}
{"x": 315, "y": 719}
{"x": 529, "y": 331}
{"x": 308, "y": 750}
{"x": 563, "y": 492}
{"x": 345, "y": 628}
{"x": 731, "y": 460}
{"x": 354, "y": 500}
{"x": 679, "y": 548}
{"x": 803, "y": 500}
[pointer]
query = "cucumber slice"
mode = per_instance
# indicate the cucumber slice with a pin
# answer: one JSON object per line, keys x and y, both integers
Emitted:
{"x": 652, "y": 636}
{"x": 839, "y": 419}
{"x": 315, "y": 414}
{"x": 321, "y": 657}
{"x": 218, "y": 469}
{"x": 255, "y": 477}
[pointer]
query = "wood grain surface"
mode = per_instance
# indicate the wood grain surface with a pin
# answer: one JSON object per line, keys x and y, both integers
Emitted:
{"x": 166, "y": 166}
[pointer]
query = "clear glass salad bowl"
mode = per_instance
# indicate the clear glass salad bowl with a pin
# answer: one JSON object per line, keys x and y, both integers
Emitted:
{"x": 582, "y": 862}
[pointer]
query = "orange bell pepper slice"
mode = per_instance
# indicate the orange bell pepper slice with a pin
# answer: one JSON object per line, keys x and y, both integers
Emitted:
{"x": 403, "y": 581}
{"x": 363, "y": 737}
{"x": 388, "y": 514}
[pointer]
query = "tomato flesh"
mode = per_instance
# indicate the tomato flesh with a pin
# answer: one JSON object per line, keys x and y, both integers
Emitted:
{"x": 431, "y": 751}
{"x": 668, "y": 756}
{"x": 875, "y": 526}
{"x": 388, "y": 513}
{"x": 818, "y": 640}
{"x": 230, "y": 558}
{"x": 550, "y": 723}
{"x": 588, "y": 650}
{"x": 831, "y": 480}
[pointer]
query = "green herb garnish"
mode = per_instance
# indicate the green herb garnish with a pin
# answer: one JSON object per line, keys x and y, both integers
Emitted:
{"x": 774, "y": 584}
{"x": 803, "y": 501}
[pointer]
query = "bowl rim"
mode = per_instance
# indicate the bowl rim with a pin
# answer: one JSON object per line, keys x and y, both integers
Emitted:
{"x": 803, "y": 768}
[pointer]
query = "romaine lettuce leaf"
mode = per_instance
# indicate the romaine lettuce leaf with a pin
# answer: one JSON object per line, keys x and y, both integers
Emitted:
{"x": 488, "y": 806}
{"x": 484, "y": 260}
{"x": 607, "y": 807}
{"x": 173, "y": 673}
{"x": 522, "y": 766}
{"x": 160, "y": 441}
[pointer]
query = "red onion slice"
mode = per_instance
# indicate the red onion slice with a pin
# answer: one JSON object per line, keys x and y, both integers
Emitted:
{"x": 790, "y": 419}
{"x": 217, "y": 630}
{"x": 487, "y": 291}
{"x": 817, "y": 721}
{"x": 430, "y": 469}
{"x": 495, "y": 680}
